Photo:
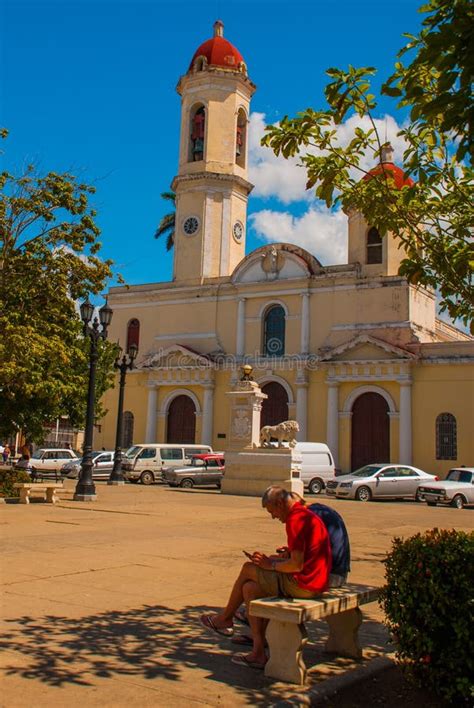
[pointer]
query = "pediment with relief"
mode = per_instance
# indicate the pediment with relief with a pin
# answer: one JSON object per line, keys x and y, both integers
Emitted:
{"x": 366, "y": 348}
{"x": 277, "y": 261}
{"x": 175, "y": 357}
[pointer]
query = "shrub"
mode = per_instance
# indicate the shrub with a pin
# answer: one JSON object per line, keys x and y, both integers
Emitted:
{"x": 429, "y": 606}
{"x": 8, "y": 478}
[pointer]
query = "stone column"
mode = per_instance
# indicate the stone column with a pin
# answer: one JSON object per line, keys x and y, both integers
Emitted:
{"x": 304, "y": 323}
{"x": 405, "y": 423}
{"x": 240, "y": 345}
{"x": 333, "y": 420}
{"x": 150, "y": 433}
{"x": 302, "y": 409}
{"x": 207, "y": 415}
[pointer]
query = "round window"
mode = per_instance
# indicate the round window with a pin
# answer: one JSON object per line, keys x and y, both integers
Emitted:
{"x": 190, "y": 225}
{"x": 238, "y": 231}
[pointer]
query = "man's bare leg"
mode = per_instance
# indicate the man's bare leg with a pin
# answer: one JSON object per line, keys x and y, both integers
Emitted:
{"x": 252, "y": 591}
{"x": 226, "y": 617}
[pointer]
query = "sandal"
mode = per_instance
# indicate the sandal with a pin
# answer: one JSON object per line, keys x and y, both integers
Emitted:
{"x": 241, "y": 616}
{"x": 208, "y": 623}
{"x": 243, "y": 660}
{"x": 243, "y": 640}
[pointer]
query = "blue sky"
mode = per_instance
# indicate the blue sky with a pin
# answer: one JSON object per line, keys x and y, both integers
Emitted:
{"x": 90, "y": 87}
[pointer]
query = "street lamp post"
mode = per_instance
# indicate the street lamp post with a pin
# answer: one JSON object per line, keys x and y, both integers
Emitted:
{"x": 95, "y": 330}
{"x": 123, "y": 366}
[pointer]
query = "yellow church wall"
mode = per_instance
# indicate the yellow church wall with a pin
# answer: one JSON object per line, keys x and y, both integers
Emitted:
{"x": 443, "y": 388}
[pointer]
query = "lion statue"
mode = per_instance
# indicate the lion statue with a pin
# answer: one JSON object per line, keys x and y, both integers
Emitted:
{"x": 283, "y": 431}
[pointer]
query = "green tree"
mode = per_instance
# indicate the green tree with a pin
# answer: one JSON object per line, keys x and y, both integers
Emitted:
{"x": 48, "y": 261}
{"x": 168, "y": 222}
{"x": 433, "y": 218}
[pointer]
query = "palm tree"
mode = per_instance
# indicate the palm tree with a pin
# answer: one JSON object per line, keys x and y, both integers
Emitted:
{"x": 167, "y": 223}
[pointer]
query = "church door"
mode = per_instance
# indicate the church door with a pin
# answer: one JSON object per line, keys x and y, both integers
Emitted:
{"x": 275, "y": 407}
{"x": 181, "y": 426}
{"x": 370, "y": 430}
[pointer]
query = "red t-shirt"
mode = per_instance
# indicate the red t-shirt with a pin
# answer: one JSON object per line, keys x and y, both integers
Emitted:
{"x": 306, "y": 532}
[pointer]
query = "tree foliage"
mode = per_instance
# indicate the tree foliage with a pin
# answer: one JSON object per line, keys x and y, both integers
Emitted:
{"x": 166, "y": 227}
{"x": 433, "y": 218}
{"x": 48, "y": 261}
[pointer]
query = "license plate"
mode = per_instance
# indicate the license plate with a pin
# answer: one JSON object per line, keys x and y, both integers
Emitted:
{"x": 432, "y": 497}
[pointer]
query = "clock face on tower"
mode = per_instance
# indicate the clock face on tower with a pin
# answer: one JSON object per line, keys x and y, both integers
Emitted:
{"x": 190, "y": 225}
{"x": 238, "y": 231}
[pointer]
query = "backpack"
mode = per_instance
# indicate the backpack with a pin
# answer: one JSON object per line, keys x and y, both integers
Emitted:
{"x": 338, "y": 537}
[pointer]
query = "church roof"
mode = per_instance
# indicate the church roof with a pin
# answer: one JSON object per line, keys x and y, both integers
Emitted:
{"x": 219, "y": 51}
{"x": 387, "y": 165}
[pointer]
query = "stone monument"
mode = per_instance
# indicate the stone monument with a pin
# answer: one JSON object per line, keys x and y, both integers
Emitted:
{"x": 249, "y": 468}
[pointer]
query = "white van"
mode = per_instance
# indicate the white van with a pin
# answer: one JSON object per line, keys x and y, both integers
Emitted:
{"x": 145, "y": 462}
{"x": 317, "y": 466}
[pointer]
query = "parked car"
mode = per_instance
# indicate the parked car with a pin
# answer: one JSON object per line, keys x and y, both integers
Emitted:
{"x": 204, "y": 470}
{"x": 103, "y": 463}
{"x": 380, "y": 480}
{"x": 49, "y": 461}
{"x": 317, "y": 465}
{"x": 145, "y": 462}
{"x": 457, "y": 489}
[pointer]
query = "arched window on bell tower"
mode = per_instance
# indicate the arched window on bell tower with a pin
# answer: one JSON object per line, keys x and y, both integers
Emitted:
{"x": 197, "y": 133}
{"x": 374, "y": 246}
{"x": 241, "y": 138}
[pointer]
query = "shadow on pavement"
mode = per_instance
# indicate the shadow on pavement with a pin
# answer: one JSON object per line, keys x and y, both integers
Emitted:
{"x": 152, "y": 642}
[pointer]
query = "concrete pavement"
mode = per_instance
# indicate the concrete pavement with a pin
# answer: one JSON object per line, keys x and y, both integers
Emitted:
{"x": 100, "y": 601}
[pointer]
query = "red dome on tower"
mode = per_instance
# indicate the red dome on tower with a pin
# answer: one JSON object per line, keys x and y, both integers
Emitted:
{"x": 387, "y": 165}
{"x": 219, "y": 51}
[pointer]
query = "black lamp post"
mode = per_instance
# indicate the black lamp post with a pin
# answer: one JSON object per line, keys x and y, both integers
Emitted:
{"x": 123, "y": 366}
{"x": 85, "y": 489}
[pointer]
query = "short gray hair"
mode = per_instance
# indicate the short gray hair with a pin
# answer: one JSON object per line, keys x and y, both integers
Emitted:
{"x": 275, "y": 494}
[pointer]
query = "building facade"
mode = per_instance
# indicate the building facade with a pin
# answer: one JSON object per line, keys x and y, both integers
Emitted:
{"x": 352, "y": 352}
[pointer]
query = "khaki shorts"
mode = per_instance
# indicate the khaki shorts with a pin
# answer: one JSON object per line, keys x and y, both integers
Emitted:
{"x": 276, "y": 584}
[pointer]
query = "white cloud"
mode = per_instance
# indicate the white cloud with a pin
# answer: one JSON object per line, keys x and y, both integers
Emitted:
{"x": 319, "y": 231}
{"x": 284, "y": 179}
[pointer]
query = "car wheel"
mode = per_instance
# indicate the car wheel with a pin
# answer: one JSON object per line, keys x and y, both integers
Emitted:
{"x": 431, "y": 503}
{"x": 458, "y": 501}
{"x": 316, "y": 486}
{"x": 147, "y": 477}
{"x": 187, "y": 483}
{"x": 363, "y": 494}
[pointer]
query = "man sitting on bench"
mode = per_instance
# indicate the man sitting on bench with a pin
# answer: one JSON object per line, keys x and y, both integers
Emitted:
{"x": 302, "y": 571}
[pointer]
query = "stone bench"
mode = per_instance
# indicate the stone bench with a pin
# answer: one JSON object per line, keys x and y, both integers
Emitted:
{"x": 48, "y": 491}
{"x": 286, "y": 633}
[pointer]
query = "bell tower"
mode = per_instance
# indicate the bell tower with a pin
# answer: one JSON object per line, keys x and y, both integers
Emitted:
{"x": 211, "y": 185}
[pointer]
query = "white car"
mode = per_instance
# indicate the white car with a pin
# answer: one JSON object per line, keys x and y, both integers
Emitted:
{"x": 47, "y": 460}
{"x": 457, "y": 489}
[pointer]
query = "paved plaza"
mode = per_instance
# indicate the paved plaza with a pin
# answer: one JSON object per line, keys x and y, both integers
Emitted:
{"x": 100, "y": 601}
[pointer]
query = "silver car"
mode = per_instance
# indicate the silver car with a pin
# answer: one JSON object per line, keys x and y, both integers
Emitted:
{"x": 457, "y": 489}
{"x": 103, "y": 463}
{"x": 204, "y": 470}
{"x": 380, "y": 481}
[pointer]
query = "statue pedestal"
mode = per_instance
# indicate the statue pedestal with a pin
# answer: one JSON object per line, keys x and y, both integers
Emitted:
{"x": 250, "y": 472}
{"x": 250, "y": 469}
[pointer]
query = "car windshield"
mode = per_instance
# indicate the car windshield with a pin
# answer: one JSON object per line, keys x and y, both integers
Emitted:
{"x": 37, "y": 455}
{"x": 197, "y": 462}
{"x": 460, "y": 476}
{"x": 132, "y": 451}
{"x": 367, "y": 471}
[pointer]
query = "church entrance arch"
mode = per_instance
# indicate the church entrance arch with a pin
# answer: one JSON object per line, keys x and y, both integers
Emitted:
{"x": 370, "y": 430}
{"x": 275, "y": 407}
{"x": 181, "y": 421}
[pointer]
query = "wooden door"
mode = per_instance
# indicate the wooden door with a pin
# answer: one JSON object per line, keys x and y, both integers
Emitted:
{"x": 370, "y": 430}
{"x": 181, "y": 426}
{"x": 275, "y": 407}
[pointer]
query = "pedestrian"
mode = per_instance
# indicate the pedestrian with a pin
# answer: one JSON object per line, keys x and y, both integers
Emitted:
{"x": 300, "y": 571}
{"x": 6, "y": 452}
